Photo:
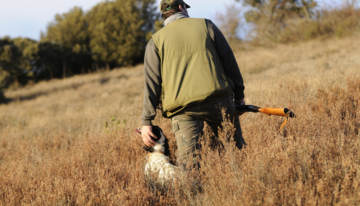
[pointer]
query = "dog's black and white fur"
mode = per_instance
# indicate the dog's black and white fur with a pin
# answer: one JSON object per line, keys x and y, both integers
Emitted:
{"x": 159, "y": 171}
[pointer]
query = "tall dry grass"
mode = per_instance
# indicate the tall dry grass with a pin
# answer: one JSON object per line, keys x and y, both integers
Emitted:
{"x": 339, "y": 21}
{"x": 72, "y": 142}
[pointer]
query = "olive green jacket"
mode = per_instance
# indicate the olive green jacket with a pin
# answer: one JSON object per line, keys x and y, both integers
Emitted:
{"x": 157, "y": 81}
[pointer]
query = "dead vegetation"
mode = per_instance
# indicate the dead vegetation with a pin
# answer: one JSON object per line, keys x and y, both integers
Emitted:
{"x": 72, "y": 142}
{"x": 329, "y": 22}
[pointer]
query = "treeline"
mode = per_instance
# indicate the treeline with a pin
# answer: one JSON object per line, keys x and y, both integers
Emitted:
{"x": 114, "y": 33}
{"x": 111, "y": 34}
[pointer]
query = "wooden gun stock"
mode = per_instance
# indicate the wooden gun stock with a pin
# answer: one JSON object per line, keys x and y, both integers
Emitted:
{"x": 283, "y": 112}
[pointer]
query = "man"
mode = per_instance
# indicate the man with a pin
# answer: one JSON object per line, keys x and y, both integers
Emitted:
{"x": 192, "y": 71}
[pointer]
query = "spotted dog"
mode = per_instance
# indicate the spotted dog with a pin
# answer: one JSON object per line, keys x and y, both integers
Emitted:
{"x": 159, "y": 171}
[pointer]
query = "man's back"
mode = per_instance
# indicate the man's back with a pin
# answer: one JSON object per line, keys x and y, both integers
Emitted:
{"x": 190, "y": 66}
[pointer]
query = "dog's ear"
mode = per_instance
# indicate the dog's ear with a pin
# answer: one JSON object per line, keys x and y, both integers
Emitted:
{"x": 166, "y": 146}
{"x": 157, "y": 131}
{"x": 148, "y": 149}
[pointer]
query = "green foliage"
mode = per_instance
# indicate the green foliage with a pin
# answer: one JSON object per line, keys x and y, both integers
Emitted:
{"x": 10, "y": 71}
{"x": 50, "y": 62}
{"x": 119, "y": 30}
{"x": 70, "y": 32}
{"x": 29, "y": 50}
{"x": 113, "y": 33}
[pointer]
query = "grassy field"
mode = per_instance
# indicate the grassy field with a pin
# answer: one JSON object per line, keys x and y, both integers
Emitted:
{"x": 72, "y": 141}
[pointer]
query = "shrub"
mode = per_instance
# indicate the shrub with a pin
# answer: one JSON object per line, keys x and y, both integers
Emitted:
{"x": 328, "y": 23}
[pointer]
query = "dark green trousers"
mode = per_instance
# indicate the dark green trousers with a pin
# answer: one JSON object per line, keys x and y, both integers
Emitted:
{"x": 188, "y": 126}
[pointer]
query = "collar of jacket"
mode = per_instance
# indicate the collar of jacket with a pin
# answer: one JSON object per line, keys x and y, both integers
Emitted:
{"x": 175, "y": 17}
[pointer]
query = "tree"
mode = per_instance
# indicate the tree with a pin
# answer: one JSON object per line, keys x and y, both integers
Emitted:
{"x": 10, "y": 70}
{"x": 119, "y": 31}
{"x": 70, "y": 31}
{"x": 272, "y": 16}
{"x": 29, "y": 50}
{"x": 276, "y": 11}
{"x": 230, "y": 23}
{"x": 49, "y": 62}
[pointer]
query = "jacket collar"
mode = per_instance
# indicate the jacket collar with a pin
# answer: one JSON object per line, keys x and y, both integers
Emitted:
{"x": 175, "y": 17}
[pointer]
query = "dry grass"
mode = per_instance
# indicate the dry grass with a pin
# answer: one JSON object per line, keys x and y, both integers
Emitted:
{"x": 339, "y": 21}
{"x": 71, "y": 142}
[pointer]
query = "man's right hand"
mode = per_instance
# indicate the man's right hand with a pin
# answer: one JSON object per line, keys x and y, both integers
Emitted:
{"x": 238, "y": 103}
{"x": 148, "y": 136}
{"x": 241, "y": 102}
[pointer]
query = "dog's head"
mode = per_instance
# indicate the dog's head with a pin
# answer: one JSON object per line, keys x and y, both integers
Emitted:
{"x": 161, "y": 145}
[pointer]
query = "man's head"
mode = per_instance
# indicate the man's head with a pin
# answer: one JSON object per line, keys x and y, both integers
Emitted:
{"x": 170, "y": 7}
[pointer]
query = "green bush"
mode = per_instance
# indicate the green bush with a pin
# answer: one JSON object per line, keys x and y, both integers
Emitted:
{"x": 119, "y": 30}
{"x": 69, "y": 31}
{"x": 10, "y": 58}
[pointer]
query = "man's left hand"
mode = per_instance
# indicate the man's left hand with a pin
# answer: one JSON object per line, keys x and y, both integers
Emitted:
{"x": 148, "y": 136}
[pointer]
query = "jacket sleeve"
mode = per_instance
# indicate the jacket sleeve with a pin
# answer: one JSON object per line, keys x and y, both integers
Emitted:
{"x": 228, "y": 60}
{"x": 152, "y": 89}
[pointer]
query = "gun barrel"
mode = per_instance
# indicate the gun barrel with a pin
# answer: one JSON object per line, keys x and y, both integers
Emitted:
{"x": 247, "y": 108}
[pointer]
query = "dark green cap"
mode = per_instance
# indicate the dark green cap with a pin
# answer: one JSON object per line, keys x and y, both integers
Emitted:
{"x": 168, "y": 5}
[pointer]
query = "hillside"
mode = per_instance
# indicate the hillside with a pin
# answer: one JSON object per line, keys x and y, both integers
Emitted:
{"x": 72, "y": 141}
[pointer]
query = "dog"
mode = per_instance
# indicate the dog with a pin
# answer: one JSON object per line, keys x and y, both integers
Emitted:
{"x": 159, "y": 171}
